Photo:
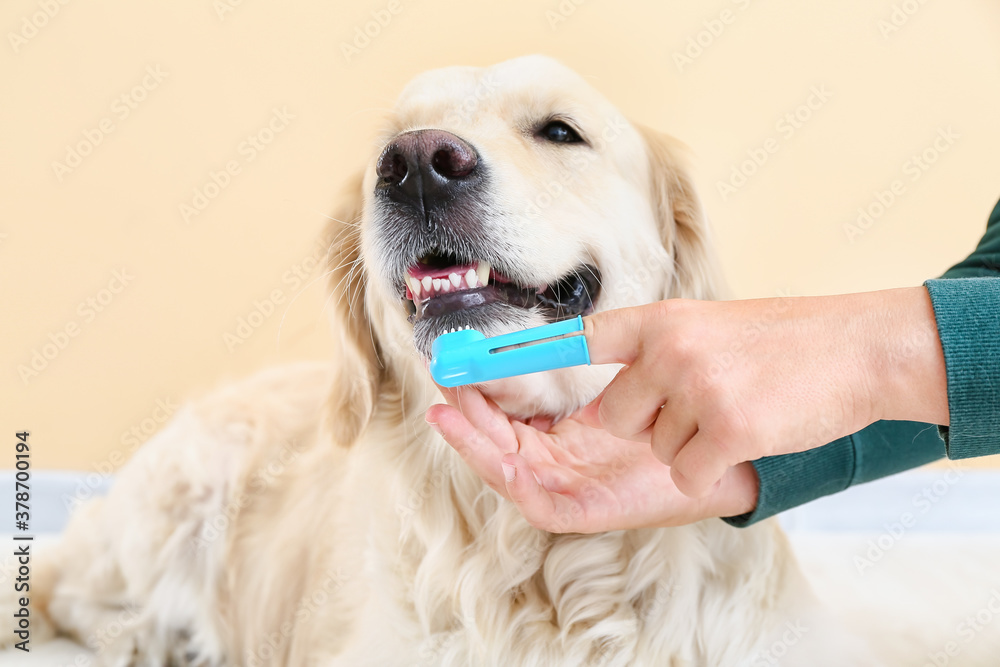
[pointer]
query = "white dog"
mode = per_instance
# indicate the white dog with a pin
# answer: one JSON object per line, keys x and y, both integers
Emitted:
{"x": 308, "y": 516}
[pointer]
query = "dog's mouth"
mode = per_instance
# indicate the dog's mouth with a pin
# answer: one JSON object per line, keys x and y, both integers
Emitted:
{"x": 440, "y": 286}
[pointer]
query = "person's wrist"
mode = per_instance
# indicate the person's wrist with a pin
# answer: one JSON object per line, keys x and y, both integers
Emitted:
{"x": 907, "y": 359}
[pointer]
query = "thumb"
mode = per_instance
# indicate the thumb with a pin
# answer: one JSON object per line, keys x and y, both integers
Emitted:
{"x": 614, "y": 336}
{"x": 589, "y": 415}
{"x": 699, "y": 465}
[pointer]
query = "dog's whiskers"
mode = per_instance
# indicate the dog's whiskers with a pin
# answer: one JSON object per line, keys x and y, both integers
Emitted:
{"x": 590, "y": 270}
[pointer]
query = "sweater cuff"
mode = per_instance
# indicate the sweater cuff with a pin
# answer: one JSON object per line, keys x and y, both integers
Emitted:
{"x": 794, "y": 479}
{"x": 967, "y": 311}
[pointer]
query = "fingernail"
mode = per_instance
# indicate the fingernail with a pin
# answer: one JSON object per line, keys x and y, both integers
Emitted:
{"x": 509, "y": 471}
{"x": 436, "y": 427}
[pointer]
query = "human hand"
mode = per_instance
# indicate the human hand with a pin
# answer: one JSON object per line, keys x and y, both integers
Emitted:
{"x": 711, "y": 384}
{"x": 572, "y": 478}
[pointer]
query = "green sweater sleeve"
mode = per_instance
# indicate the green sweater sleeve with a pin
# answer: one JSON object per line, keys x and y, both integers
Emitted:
{"x": 966, "y": 302}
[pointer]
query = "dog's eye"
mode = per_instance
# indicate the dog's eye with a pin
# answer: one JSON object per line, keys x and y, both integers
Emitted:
{"x": 559, "y": 132}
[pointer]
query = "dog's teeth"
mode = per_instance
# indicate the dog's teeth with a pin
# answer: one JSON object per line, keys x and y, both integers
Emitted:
{"x": 414, "y": 286}
{"x": 471, "y": 279}
{"x": 483, "y": 273}
{"x": 427, "y": 283}
{"x": 455, "y": 279}
{"x": 437, "y": 284}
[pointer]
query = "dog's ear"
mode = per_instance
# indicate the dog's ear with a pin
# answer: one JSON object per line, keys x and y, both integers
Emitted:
{"x": 683, "y": 224}
{"x": 358, "y": 372}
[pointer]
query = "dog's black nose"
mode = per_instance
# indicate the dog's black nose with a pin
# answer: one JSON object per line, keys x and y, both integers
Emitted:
{"x": 426, "y": 168}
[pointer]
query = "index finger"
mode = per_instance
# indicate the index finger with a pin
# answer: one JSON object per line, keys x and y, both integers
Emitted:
{"x": 484, "y": 414}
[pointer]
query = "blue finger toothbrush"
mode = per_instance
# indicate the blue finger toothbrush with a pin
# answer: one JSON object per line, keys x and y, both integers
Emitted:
{"x": 467, "y": 356}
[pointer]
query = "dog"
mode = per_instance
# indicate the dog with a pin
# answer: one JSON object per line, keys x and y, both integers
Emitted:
{"x": 309, "y": 515}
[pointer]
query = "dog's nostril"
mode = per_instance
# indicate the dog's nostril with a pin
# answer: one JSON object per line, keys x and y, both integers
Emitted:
{"x": 453, "y": 161}
{"x": 392, "y": 166}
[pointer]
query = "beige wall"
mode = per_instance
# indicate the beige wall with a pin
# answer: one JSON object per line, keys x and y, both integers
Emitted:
{"x": 64, "y": 237}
